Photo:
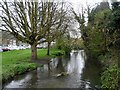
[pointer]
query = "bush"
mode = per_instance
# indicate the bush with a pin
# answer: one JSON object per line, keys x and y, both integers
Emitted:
{"x": 110, "y": 77}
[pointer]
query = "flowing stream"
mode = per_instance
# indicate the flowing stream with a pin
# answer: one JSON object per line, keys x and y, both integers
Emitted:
{"x": 80, "y": 72}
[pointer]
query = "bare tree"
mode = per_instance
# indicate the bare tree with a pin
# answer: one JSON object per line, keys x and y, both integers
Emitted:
{"x": 29, "y": 21}
{"x": 58, "y": 22}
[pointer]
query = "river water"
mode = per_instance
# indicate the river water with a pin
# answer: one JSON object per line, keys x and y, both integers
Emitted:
{"x": 80, "y": 72}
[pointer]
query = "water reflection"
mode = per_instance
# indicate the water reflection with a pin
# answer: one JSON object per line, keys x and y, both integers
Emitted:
{"x": 19, "y": 83}
{"x": 60, "y": 68}
{"x": 78, "y": 68}
{"x": 76, "y": 63}
{"x": 91, "y": 72}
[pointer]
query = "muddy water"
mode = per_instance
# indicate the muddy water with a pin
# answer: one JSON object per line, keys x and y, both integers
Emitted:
{"x": 79, "y": 72}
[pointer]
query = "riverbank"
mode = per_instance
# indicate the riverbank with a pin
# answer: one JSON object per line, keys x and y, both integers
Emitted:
{"x": 110, "y": 68}
{"x": 18, "y": 62}
{"x": 79, "y": 74}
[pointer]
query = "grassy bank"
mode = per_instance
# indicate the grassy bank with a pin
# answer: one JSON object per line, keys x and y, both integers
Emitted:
{"x": 18, "y": 61}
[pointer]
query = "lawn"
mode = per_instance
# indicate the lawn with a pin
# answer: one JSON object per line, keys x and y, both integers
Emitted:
{"x": 18, "y": 61}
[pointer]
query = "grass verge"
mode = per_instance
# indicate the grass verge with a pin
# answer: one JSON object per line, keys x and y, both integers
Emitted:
{"x": 18, "y": 61}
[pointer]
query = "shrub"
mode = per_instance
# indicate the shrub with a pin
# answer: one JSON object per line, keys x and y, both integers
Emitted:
{"x": 110, "y": 77}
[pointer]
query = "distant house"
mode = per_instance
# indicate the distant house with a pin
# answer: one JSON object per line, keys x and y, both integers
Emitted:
{"x": 7, "y": 39}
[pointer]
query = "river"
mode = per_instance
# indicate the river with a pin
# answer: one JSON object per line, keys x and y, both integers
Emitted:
{"x": 81, "y": 72}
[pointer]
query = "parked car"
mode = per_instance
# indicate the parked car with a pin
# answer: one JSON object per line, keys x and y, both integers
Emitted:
{"x": 13, "y": 47}
{"x": 21, "y": 47}
{"x": 28, "y": 46}
{"x": 39, "y": 47}
{"x": 5, "y": 48}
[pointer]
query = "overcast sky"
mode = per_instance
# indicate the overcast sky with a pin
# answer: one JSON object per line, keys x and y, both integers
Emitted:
{"x": 77, "y": 3}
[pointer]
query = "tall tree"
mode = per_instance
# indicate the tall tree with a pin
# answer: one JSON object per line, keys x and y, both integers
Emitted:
{"x": 57, "y": 25}
{"x": 28, "y": 21}
{"x": 60, "y": 24}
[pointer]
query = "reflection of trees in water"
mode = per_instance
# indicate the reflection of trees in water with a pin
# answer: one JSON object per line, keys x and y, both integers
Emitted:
{"x": 53, "y": 63}
{"x": 75, "y": 54}
{"x": 91, "y": 71}
{"x": 49, "y": 68}
{"x": 82, "y": 54}
{"x": 60, "y": 66}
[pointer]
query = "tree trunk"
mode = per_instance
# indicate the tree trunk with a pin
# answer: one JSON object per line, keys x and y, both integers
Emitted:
{"x": 48, "y": 49}
{"x": 33, "y": 52}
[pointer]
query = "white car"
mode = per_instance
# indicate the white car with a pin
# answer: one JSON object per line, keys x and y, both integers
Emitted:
{"x": 14, "y": 47}
{"x": 28, "y": 46}
{"x": 5, "y": 48}
{"x": 21, "y": 47}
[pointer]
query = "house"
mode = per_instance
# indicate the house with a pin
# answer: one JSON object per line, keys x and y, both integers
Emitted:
{"x": 7, "y": 39}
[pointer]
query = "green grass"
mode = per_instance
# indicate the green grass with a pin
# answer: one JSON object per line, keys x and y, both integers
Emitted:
{"x": 43, "y": 52}
{"x": 18, "y": 61}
